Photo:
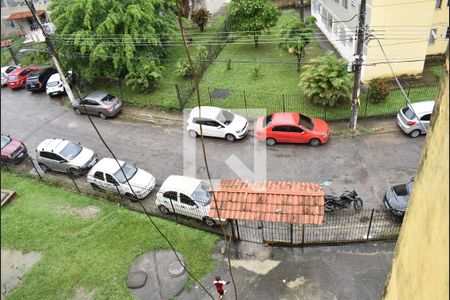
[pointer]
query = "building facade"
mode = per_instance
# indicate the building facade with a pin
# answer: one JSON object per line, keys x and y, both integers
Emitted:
{"x": 407, "y": 30}
{"x": 17, "y": 18}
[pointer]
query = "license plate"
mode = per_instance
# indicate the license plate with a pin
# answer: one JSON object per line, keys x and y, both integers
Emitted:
{"x": 20, "y": 155}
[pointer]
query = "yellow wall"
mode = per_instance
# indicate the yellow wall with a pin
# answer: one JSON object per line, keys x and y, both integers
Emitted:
{"x": 420, "y": 267}
{"x": 440, "y": 21}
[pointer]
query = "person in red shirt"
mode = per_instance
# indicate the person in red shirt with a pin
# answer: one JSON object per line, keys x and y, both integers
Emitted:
{"x": 219, "y": 284}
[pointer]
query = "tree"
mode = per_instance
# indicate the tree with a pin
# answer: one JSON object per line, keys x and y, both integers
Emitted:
{"x": 325, "y": 81}
{"x": 200, "y": 17}
{"x": 114, "y": 38}
{"x": 252, "y": 16}
{"x": 295, "y": 34}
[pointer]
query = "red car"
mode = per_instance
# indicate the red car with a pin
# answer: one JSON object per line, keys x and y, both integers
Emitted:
{"x": 13, "y": 151}
{"x": 291, "y": 128}
{"x": 17, "y": 78}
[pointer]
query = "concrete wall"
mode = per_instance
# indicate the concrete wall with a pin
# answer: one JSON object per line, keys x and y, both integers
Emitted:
{"x": 420, "y": 267}
{"x": 440, "y": 23}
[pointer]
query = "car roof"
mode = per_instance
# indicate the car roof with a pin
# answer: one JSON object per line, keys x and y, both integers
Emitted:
{"x": 208, "y": 112}
{"x": 284, "y": 119}
{"x": 54, "y": 77}
{"x": 423, "y": 107}
{"x": 183, "y": 184}
{"x": 96, "y": 95}
{"x": 52, "y": 145}
{"x": 106, "y": 165}
{"x": 3, "y": 69}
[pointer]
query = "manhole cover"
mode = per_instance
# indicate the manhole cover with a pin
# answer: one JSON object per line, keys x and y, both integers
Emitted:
{"x": 220, "y": 93}
{"x": 176, "y": 269}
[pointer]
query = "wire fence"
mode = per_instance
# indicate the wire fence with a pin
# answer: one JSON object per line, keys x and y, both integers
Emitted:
{"x": 343, "y": 226}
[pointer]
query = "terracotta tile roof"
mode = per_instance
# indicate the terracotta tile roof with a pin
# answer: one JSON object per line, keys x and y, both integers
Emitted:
{"x": 271, "y": 201}
{"x": 24, "y": 14}
{"x": 6, "y": 43}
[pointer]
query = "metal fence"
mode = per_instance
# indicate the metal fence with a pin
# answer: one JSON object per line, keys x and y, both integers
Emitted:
{"x": 344, "y": 226}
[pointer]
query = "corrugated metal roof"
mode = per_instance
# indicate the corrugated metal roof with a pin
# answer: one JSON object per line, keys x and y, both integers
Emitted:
{"x": 271, "y": 201}
{"x": 24, "y": 15}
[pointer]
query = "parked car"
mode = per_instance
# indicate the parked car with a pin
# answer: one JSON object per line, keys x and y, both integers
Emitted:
{"x": 397, "y": 197}
{"x": 99, "y": 104}
{"x": 55, "y": 85}
{"x": 185, "y": 196}
{"x": 17, "y": 78}
{"x": 217, "y": 122}
{"x": 13, "y": 151}
{"x": 291, "y": 128}
{"x": 107, "y": 175}
{"x": 6, "y": 70}
{"x": 37, "y": 80}
{"x": 409, "y": 123}
{"x": 64, "y": 156}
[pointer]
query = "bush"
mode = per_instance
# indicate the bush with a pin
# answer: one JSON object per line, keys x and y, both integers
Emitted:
{"x": 200, "y": 17}
{"x": 145, "y": 77}
{"x": 184, "y": 69}
{"x": 378, "y": 90}
{"x": 256, "y": 72}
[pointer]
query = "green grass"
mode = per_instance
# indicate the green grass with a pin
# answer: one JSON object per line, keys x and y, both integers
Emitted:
{"x": 16, "y": 45}
{"x": 92, "y": 253}
{"x": 437, "y": 71}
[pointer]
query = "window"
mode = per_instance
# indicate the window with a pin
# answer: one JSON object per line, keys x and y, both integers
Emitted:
{"x": 295, "y": 129}
{"x": 267, "y": 120}
{"x": 447, "y": 34}
{"x": 438, "y": 3}
{"x": 110, "y": 179}
{"x": 345, "y": 4}
{"x": 354, "y": 3}
{"x": 433, "y": 36}
{"x": 211, "y": 123}
{"x": 98, "y": 175}
{"x": 8, "y": 24}
{"x": 90, "y": 102}
{"x": 187, "y": 200}
{"x": 343, "y": 35}
{"x": 330, "y": 22}
{"x": 426, "y": 117}
{"x": 25, "y": 72}
{"x": 52, "y": 156}
{"x": 170, "y": 195}
{"x": 281, "y": 129}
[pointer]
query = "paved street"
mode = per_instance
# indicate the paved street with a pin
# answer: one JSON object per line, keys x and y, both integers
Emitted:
{"x": 368, "y": 163}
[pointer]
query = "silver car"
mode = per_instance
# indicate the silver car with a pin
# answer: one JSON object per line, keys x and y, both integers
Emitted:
{"x": 397, "y": 197}
{"x": 99, "y": 104}
{"x": 409, "y": 123}
{"x": 64, "y": 156}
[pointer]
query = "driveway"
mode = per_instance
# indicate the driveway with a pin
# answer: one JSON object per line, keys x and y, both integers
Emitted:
{"x": 368, "y": 163}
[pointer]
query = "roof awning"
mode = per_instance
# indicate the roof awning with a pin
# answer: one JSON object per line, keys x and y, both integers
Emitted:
{"x": 270, "y": 201}
{"x": 24, "y": 15}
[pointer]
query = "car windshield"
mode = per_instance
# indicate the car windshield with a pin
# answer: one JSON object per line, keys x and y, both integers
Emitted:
{"x": 202, "y": 194}
{"x": 305, "y": 122}
{"x": 400, "y": 190}
{"x": 129, "y": 171}
{"x": 5, "y": 141}
{"x": 70, "y": 151}
{"x": 267, "y": 120}
{"x": 108, "y": 99}
{"x": 52, "y": 83}
{"x": 225, "y": 117}
{"x": 408, "y": 113}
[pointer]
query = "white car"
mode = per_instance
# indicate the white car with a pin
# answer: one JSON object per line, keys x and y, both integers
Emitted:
{"x": 409, "y": 123}
{"x": 107, "y": 175}
{"x": 185, "y": 196}
{"x": 55, "y": 85}
{"x": 217, "y": 122}
{"x": 5, "y": 72}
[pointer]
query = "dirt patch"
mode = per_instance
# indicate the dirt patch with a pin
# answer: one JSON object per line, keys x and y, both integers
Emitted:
{"x": 15, "y": 265}
{"x": 87, "y": 212}
{"x": 82, "y": 294}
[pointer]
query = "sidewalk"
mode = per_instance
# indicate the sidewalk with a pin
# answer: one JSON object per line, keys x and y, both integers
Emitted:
{"x": 355, "y": 271}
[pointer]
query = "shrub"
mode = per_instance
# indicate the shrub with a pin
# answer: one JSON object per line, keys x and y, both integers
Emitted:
{"x": 184, "y": 69}
{"x": 256, "y": 71}
{"x": 378, "y": 90}
{"x": 200, "y": 17}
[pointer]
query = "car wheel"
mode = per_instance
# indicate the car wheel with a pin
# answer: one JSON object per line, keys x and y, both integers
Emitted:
{"x": 229, "y": 137}
{"x": 44, "y": 168}
{"x": 270, "y": 142}
{"x": 415, "y": 133}
{"x": 164, "y": 210}
{"x": 131, "y": 197}
{"x": 210, "y": 222}
{"x": 77, "y": 111}
{"x": 193, "y": 133}
{"x": 102, "y": 115}
{"x": 314, "y": 142}
{"x": 358, "y": 204}
{"x": 95, "y": 187}
{"x": 74, "y": 172}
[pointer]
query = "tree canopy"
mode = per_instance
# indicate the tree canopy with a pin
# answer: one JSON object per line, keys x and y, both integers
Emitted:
{"x": 114, "y": 38}
{"x": 326, "y": 81}
{"x": 252, "y": 16}
{"x": 296, "y": 34}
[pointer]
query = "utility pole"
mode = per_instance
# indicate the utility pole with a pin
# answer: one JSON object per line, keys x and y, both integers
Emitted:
{"x": 358, "y": 66}
{"x": 53, "y": 54}
{"x": 13, "y": 55}
{"x": 302, "y": 9}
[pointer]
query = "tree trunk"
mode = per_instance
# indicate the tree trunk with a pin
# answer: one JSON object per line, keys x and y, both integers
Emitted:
{"x": 299, "y": 58}
{"x": 186, "y": 8}
{"x": 256, "y": 38}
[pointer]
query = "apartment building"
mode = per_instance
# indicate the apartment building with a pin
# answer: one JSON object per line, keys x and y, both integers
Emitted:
{"x": 17, "y": 18}
{"x": 407, "y": 30}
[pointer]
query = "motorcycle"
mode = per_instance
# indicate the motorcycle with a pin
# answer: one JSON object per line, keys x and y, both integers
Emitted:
{"x": 333, "y": 203}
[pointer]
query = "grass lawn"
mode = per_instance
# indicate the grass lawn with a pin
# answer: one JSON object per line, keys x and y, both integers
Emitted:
{"x": 16, "y": 45}
{"x": 94, "y": 254}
